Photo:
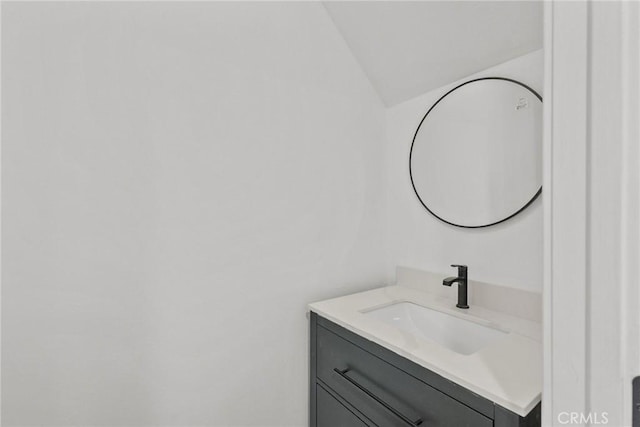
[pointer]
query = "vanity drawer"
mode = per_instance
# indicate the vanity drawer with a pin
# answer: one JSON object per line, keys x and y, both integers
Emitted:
{"x": 383, "y": 393}
{"x": 332, "y": 413}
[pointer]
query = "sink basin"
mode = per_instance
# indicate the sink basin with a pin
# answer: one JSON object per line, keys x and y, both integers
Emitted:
{"x": 460, "y": 335}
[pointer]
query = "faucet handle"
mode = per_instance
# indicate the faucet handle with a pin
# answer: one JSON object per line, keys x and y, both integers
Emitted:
{"x": 462, "y": 270}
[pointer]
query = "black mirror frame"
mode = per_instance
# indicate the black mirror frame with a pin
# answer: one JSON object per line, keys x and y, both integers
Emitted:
{"x": 535, "y": 196}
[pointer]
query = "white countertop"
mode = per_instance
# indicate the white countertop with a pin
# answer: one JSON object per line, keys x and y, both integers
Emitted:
{"x": 507, "y": 372}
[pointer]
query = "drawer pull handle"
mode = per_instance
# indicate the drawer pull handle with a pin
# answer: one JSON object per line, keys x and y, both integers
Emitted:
{"x": 343, "y": 374}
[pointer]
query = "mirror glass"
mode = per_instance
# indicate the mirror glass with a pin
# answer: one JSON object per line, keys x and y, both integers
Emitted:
{"x": 476, "y": 157}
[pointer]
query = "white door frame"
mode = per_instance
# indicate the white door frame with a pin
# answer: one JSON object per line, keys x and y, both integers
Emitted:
{"x": 630, "y": 185}
{"x": 591, "y": 211}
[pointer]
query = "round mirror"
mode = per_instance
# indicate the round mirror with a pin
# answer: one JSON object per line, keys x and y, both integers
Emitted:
{"x": 476, "y": 157}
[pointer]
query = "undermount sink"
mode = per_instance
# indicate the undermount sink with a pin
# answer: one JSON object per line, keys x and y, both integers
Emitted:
{"x": 456, "y": 334}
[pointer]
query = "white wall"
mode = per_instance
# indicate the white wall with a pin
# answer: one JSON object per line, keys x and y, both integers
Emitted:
{"x": 509, "y": 253}
{"x": 179, "y": 180}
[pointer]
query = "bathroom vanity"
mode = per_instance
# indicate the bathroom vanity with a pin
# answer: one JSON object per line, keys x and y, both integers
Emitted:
{"x": 399, "y": 356}
{"x": 413, "y": 354}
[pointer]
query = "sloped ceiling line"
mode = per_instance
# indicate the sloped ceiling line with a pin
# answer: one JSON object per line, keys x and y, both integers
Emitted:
{"x": 408, "y": 48}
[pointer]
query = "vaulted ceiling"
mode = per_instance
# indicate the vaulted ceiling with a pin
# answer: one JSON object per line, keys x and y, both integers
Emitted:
{"x": 407, "y": 48}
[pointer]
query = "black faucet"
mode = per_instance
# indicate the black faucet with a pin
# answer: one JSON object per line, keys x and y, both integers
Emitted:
{"x": 461, "y": 280}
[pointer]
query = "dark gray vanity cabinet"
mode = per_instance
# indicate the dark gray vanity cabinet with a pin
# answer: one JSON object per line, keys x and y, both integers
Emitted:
{"x": 355, "y": 382}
